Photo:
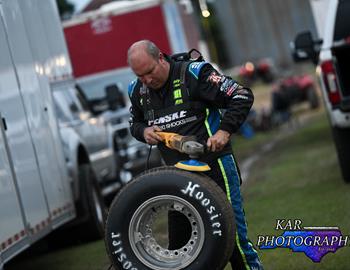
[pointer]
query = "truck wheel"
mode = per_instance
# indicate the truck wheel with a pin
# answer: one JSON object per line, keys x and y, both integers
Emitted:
{"x": 136, "y": 228}
{"x": 93, "y": 204}
{"x": 313, "y": 98}
{"x": 342, "y": 144}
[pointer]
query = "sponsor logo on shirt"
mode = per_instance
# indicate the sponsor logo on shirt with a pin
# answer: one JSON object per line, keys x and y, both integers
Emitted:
{"x": 229, "y": 86}
{"x": 239, "y": 97}
{"x": 172, "y": 120}
{"x": 215, "y": 78}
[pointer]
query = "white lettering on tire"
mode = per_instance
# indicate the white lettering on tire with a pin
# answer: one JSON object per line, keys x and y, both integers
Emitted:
{"x": 192, "y": 190}
{"x": 118, "y": 251}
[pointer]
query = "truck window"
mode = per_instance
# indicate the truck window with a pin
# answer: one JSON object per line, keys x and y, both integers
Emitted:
{"x": 73, "y": 102}
{"x": 92, "y": 92}
{"x": 69, "y": 105}
{"x": 342, "y": 22}
{"x": 61, "y": 116}
{"x": 82, "y": 100}
{"x": 62, "y": 109}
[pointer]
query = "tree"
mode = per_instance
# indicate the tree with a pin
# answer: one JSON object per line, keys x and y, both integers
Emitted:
{"x": 65, "y": 8}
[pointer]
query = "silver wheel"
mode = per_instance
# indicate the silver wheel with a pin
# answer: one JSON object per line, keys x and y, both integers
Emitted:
{"x": 146, "y": 244}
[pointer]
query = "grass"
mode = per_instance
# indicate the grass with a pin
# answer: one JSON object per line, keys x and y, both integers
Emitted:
{"x": 91, "y": 256}
{"x": 243, "y": 148}
{"x": 298, "y": 179}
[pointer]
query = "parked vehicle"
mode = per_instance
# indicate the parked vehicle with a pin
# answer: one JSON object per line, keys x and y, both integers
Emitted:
{"x": 131, "y": 156}
{"x": 332, "y": 56}
{"x": 293, "y": 90}
{"x": 35, "y": 189}
{"x": 263, "y": 69}
{"x": 92, "y": 139}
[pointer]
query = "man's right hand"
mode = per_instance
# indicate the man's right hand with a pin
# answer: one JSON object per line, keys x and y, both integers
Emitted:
{"x": 150, "y": 135}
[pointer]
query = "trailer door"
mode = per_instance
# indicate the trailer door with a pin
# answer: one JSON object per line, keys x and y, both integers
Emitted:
{"x": 47, "y": 142}
{"x": 12, "y": 123}
{"x": 17, "y": 93}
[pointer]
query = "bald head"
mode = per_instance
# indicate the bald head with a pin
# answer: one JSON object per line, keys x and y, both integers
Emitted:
{"x": 143, "y": 48}
{"x": 148, "y": 63}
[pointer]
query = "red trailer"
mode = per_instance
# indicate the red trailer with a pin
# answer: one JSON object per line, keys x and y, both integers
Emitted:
{"x": 98, "y": 41}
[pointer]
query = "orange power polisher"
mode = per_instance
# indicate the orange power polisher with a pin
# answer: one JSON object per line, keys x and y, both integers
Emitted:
{"x": 189, "y": 146}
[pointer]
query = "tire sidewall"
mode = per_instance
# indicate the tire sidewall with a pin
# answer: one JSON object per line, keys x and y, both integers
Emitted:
{"x": 91, "y": 196}
{"x": 218, "y": 226}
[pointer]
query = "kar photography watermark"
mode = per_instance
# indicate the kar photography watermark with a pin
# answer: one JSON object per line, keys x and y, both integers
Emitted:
{"x": 315, "y": 242}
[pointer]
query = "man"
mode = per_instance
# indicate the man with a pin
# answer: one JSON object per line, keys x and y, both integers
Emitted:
{"x": 184, "y": 98}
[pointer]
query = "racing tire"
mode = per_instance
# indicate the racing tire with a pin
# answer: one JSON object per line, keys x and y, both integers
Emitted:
{"x": 342, "y": 143}
{"x": 93, "y": 205}
{"x": 130, "y": 239}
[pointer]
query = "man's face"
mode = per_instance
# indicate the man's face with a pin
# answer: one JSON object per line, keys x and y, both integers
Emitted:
{"x": 151, "y": 72}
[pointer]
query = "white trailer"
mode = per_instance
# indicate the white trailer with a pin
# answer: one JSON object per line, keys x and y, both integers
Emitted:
{"x": 35, "y": 189}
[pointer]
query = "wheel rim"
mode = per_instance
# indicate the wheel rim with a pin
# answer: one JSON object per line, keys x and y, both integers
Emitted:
{"x": 146, "y": 247}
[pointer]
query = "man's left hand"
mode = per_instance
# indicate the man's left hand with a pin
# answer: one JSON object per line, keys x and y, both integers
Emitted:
{"x": 218, "y": 140}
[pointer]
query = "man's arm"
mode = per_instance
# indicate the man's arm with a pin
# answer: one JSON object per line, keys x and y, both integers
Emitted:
{"x": 137, "y": 122}
{"x": 138, "y": 126}
{"x": 221, "y": 91}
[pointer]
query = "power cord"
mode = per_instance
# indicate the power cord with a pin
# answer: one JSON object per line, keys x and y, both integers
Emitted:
{"x": 148, "y": 157}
